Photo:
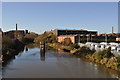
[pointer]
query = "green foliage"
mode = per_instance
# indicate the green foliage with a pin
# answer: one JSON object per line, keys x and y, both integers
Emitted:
{"x": 29, "y": 38}
{"x": 51, "y": 38}
{"x": 118, "y": 61}
{"x": 86, "y": 50}
{"x": 103, "y": 54}
{"x": 10, "y": 45}
{"x": 46, "y": 37}
{"x": 31, "y": 35}
{"x": 67, "y": 42}
{"x": 75, "y": 46}
{"x": 6, "y": 43}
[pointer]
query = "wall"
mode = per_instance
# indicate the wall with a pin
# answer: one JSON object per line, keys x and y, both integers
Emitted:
{"x": 61, "y": 38}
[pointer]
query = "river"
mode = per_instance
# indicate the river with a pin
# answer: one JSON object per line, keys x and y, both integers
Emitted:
{"x": 55, "y": 64}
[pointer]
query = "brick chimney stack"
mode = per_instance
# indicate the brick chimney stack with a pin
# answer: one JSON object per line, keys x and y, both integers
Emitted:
{"x": 112, "y": 29}
{"x": 15, "y": 34}
{"x": 16, "y": 27}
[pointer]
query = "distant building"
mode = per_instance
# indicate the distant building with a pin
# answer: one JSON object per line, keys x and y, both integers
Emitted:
{"x": 77, "y": 35}
{"x": 0, "y": 32}
{"x": 13, "y": 34}
{"x": 0, "y": 42}
{"x": 117, "y": 39}
{"x": 72, "y": 37}
{"x": 59, "y": 32}
{"x": 16, "y": 33}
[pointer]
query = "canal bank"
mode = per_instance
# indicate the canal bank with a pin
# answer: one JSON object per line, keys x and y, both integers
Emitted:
{"x": 56, "y": 64}
{"x": 104, "y": 57}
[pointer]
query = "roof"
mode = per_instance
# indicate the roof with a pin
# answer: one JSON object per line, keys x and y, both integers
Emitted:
{"x": 14, "y": 31}
{"x": 66, "y": 35}
{"x": 72, "y": 29}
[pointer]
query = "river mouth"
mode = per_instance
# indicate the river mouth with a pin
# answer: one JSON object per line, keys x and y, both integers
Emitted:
{"x": 54, "y": 64}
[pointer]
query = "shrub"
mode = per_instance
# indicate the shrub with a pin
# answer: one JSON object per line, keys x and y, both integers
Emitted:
{"x": 29, "y": 38}
{"x": 67, "y": 41}
{"x": 86, "y": 50}
{"x": 76, "y": 46}
{"x": 103, "y": 54}
{"x": 46, "y": 37}
{"x": 118, "y": 61}
{"x": 11, "y": 45}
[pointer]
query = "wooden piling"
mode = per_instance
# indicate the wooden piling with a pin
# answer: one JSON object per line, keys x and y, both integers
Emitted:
{"x": 42, "y": 51}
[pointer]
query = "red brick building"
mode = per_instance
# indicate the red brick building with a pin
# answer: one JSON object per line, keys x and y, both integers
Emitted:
{"x": 72, "y": 37}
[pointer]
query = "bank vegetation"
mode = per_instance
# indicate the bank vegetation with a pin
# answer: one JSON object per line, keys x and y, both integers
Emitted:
{"x": 104, "y": 57}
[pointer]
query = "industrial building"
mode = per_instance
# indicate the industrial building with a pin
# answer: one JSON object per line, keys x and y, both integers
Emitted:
{"x": 59, "y": 32}
{"x": 16, "y": 33}
{"x": 78, "y": 35}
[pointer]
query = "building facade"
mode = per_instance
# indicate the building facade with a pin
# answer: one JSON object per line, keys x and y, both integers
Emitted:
{"x": 59, "y": 32}
{"x": 77, "y": 36}
{"x": 62, "y": 38}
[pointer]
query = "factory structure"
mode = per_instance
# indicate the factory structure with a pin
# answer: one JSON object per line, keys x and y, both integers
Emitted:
{"x": 73, "y": 34}
{"x": 15, "y": 34}
{"x": 78, "y": 35}
{"x": 59, "y": 32}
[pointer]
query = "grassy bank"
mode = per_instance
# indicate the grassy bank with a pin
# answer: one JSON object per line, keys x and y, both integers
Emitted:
{"x": 68, "y": 48}
{"x": 104, "y": 57}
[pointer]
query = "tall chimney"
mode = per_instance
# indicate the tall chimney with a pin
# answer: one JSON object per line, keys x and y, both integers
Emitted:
{"x": 16, "y": 35}
{"x": 16, "y": 27}
{"x": 112, "y": 29}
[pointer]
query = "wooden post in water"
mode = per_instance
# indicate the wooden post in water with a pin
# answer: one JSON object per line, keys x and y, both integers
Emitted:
{"x": 42, "y": 51}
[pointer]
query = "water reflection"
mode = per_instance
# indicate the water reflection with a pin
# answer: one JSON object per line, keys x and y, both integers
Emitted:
{"x": 9, "y": 56}
{"x": 101, "y": 68}
{"x": 26, "y": 48}
{"x": 57, "y": 62}
{"x": 42, "y": 56}
{"x": 42, "y": 52}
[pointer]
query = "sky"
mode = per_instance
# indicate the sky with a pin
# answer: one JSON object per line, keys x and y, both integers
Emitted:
{"x": 119, "y": 17}
{"x": 0, "y": 14}
{"x": 44, "y": 16}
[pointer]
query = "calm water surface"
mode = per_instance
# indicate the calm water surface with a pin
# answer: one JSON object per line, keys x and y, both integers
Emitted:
{"x": 55, "y": 64}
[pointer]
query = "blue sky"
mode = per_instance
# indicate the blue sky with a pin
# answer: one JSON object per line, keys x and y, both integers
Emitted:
{"x": 0, "y": 14}
{"x": 43, "y": 16}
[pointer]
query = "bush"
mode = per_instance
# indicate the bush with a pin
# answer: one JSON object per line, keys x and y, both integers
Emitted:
{"x": 46, "y": 37}
{"x": 6, "y": 44}
{"x": 103, "y": 54}
{"x": 67, "y": 42}
{"x": 11, "y": 45}
{"x": 76, "y": 46}
{"x": 29, "y": 38}
{"x": 118, "y": 61}
{"x": 86, "y": 50}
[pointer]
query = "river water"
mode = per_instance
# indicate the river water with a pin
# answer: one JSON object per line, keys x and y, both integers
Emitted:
{"x": 55, "y": 64}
